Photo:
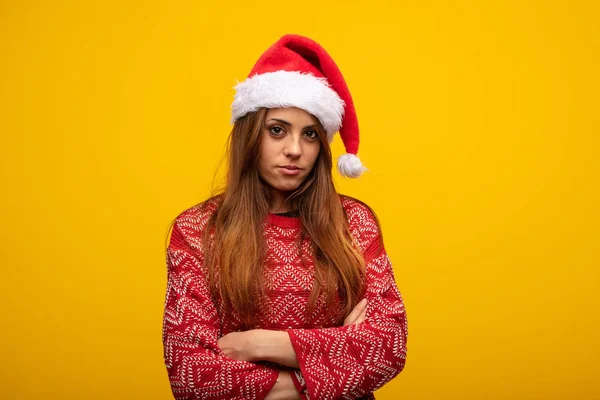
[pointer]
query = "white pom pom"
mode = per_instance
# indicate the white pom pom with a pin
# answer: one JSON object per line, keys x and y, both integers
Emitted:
{"x": 350, "y": 166}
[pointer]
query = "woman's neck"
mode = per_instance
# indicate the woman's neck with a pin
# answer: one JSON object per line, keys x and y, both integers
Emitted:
{"x": 280, "y": 204}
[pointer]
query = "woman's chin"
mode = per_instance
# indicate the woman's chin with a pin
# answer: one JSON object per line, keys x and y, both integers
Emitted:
{"x": 286, "y": 187}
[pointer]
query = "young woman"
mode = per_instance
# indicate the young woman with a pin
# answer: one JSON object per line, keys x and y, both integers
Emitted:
{"x": 279, "y": 287}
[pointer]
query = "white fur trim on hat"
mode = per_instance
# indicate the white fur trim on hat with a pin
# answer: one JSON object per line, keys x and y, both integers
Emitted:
{"x": 290, "y": 89}
{"x": 350, "y": 166}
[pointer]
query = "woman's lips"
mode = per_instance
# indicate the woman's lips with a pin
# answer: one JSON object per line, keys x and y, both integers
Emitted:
{"x": 290, "y": 170}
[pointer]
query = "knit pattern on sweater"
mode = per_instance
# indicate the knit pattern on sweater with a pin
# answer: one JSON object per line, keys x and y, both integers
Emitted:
{"x": 337, "y": 362}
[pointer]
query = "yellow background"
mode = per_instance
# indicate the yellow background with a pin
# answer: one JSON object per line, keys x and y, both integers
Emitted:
{"x": 480, "y": 127}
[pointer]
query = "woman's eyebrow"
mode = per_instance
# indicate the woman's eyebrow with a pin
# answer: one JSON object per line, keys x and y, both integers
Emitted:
{"x": 288, "y": 124}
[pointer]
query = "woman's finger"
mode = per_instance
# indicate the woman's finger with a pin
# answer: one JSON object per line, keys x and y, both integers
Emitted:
{"x": 355, "y": 313}
{"x": 362, "y": 316}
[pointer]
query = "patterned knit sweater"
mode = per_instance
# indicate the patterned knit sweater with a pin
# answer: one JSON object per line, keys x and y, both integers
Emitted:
{"x": 337, "y": 362}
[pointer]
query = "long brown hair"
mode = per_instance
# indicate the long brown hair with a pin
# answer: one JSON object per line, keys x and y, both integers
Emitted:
{"x": 233, "y": 239}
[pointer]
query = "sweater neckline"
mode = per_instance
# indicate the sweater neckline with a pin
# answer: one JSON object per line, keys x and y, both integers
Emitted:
{"x": 284, "y": 221}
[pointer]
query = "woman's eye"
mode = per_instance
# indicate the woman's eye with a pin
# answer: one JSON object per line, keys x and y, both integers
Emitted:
{"x": 276, "y": 130}
{"x": 312, "y": 134}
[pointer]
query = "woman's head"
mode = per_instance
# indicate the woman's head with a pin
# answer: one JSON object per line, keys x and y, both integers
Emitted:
{"x": 278, "y": 154}
{"x": 297, "y": 71}
{"x": 289, "y": 148}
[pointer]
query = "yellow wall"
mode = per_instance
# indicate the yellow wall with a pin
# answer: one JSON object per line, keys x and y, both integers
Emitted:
{"x": 480, "y": 127}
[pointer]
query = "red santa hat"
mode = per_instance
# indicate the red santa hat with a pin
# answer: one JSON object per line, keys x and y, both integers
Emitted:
{"x": 297, "y": 72}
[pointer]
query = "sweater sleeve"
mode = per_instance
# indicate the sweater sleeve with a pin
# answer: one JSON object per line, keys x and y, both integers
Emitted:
{"x": 352, "y": 361}
{"x": 196, "y": 367}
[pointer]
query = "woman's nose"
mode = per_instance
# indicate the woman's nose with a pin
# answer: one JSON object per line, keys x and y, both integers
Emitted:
{"x": 292, "y": 147}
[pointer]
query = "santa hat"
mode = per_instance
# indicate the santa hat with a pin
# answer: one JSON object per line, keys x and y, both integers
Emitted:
{"x": 297, "y": 72}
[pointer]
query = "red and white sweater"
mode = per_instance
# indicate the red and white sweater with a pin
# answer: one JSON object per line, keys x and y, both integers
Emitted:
{"x": 337, "y": 362}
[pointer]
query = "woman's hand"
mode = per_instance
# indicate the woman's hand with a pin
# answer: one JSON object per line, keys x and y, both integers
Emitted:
{"x": 260, "y": 345}
{"x": 238, "y": 345}
{"x": 358, "y": 313}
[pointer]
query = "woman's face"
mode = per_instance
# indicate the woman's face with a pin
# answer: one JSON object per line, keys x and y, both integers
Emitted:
{"x": 289, "y": 148}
